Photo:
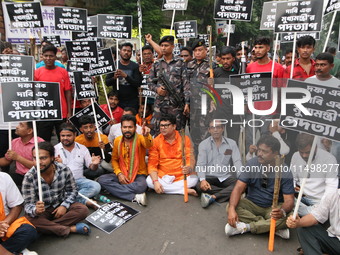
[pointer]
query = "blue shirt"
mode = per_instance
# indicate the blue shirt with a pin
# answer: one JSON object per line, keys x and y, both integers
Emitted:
{"x": 261, "y": 184}
{"x": 42, "y": 63}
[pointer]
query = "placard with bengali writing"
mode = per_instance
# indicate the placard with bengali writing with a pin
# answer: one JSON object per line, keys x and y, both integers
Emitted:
{"x": 233, "y": 9}
{"x": 54, "y": 39}
{"x": 70, "y": 19}
{"x": 84, "y": 87}
{"x": 114, "y": 26}
{"x": 105, "y": 63}
{"x": 298, "y": 16}
{"x": 289, "y": 37}
{"x": 186, "y": 29}
{"x": 15, "y": 68}
{"x": 179, "y": 5}
{"x": 74, "y": 66}
{"x": 28, "y": 101}
{"x": 268, "y": 16}
{"x": 324, "y": 107}
{"x": 82, "y": 51}
{"x": 332, "y": 5}
{"x": 25, "y": 15}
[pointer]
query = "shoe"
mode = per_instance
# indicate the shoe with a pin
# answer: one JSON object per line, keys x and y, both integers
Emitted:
{"x": 206, "y": 200}
{"x": 28, "y": 252}
{"x": 140, "y": 199}
{"x": 240, "y": 229}
{"x": 283, "y": 233}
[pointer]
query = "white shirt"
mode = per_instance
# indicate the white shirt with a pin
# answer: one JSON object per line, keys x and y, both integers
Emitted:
{"x": 332, "y": 82}
{"x": 11, "y": 195}
{"x": 116, "y": 130}
{"x": 76, "y": 160}
{"x": 321, "y": 181}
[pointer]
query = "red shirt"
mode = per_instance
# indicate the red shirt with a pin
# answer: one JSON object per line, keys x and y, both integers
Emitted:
{"x": 255, "y": 67}
{"x": 56, "y": 75}
{"x": 116, "y": 113}
{"x": 298, "y": 72}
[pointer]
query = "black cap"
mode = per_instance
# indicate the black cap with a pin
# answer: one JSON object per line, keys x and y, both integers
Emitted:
{"x": 167, "y": 38}
{"x": 198, "y": 43}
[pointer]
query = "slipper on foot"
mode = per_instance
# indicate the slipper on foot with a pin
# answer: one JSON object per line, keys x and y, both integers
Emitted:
{"x": 83, "y": 229}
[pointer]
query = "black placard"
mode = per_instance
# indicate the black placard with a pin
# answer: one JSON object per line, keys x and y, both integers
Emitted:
{"x": 73, "y": 66}
{"x": 111, "y": 216}
{"x": 186, "y": 29}
{"x": 114, "y": 26}
{"x": 324, "y": 106}
{"x": 102, "y": 118}
{"x": 92, "y": 21}
{"x": 205, "y": 37}
{"x": 298, "y": 16}
{"x": 268, "y": 16}
{"x": 179, "y": 5}
{"x": 105, "y": 63}
{"x": 332, "y": 5}
{"x": 261, "y": 84}
{"x": 15, "y": 68}
{"x": 90, "y": 35}
{"x": 289, "y": 37}
{"x": 146, "y": 92}
{"x": 82, "y": 51}
{"x": 27, "y": 101}
{"x": 54, "y": 39}
{"x": 84, "y": 86}
{"x": 70, "y": 19}
{"x": 234, "y": 10}
{"x": 25, "y": 15}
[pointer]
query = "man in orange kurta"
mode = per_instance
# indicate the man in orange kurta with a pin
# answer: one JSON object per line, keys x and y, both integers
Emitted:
{"x": 128, "y": 161}
{"x": 165, "y": 165}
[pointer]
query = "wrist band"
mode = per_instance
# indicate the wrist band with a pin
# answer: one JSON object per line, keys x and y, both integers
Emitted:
{"x": 154, "y": 181}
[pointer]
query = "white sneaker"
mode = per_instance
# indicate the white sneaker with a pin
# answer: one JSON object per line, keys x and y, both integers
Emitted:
{"x": 283, "y": 233}
{"x": 28, "y": 252}
{"x": 240, "y": 229}
{"x": 140, "y": 199}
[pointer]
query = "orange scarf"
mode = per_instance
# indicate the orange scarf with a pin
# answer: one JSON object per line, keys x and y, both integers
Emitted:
{"x": 15, "y": 225}
{"x": 129, "y": 157}
{"x": 139, "y": 120}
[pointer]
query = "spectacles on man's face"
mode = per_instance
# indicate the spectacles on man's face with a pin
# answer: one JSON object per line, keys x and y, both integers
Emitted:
{"x": 164, "y": 125}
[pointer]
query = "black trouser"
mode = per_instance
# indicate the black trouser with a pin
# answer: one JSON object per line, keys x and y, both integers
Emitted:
{"x": 45, "y": 128}
{"x": 221, "y": 190}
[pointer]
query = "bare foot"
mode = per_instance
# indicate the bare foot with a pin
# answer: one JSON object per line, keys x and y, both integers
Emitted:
{"x": 192, "y": 192}
{"x": 91, "y": 205}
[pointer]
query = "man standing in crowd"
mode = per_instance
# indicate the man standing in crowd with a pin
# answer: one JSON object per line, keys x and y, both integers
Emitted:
{"x": 117, "y": 112}
{"x": 58, "y": 213}
{"x": 319, "y": 184}
{"x": 128, "y": 161}
{"x": 147, "y": 54}
{"x": 172, "y": 68}
{"x": 15, "y": 234}
{"x": 304, "y": 65}
{"x": 186, "y": 54}
{"x": 21, "y": 152}
{"x": 129, "y": 78}
{"x": 77, "y": 157}
{"x": 165, "y": 165}
{"x": 216, "y": 154}
{"x": 336, "y": 68}
{"x": 254, "y": 212}
{"x": 52, "y": 73}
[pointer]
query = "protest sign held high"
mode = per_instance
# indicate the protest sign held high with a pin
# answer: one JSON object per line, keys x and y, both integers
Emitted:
{"x": 70, "y": 19}
{"x": 16, "y": 68}
{"x": 105, "y": 63}
{"x": 54, "y": 39}
{"x": 180, "y": 5}
{"x": 268, "y": 16}
{"x": 25, "y": 15}
{"x": 114, "y": 26}
{"x": 82, "y": 51}
{"x": 233, "y": 10}
{"x": 186, "y": 29}
{"x": 84, "y": 86}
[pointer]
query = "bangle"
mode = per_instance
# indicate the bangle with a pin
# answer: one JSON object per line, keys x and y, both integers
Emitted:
{"x": 155, "y": 181}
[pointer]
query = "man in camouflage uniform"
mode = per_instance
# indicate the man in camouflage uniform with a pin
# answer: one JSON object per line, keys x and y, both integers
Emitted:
{"x": 197, "y": 76}
{"x": 172, "y": 67}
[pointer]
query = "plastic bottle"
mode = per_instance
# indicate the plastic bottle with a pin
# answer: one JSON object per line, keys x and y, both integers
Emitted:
{"x": 102, "y": 198}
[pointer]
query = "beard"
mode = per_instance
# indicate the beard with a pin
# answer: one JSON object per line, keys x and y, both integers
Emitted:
{"x": 45, "y": 168}
{"x": 128, "y": 135}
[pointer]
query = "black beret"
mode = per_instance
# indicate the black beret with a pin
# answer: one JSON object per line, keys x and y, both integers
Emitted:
{"x": 198, "y": 43}
{"x": 167, "y": 38}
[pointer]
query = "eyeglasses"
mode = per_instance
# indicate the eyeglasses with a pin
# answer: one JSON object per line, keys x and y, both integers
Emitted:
{"x": 164, "y": 125}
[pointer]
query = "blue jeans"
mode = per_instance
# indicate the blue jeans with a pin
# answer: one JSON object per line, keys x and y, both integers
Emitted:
{"x": 22, "y": 237}
{"x": 87, "y": 188}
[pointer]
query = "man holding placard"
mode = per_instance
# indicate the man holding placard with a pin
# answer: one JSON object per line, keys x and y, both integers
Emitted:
{"x": 52, "y": 73}
{"x": 58, "y": 213}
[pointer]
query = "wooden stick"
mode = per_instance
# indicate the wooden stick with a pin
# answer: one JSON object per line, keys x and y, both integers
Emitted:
{"x": 186, "y": 197}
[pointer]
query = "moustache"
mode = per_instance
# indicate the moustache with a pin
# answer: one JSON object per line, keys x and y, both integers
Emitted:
{"x": 127, "y": 132}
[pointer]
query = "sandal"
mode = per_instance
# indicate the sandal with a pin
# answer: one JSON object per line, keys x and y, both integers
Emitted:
{"x": 83, "y": 229}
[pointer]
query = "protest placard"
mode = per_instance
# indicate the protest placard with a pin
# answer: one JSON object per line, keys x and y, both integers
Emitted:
{"x": 324, "y": 107}
{"x": 205, "y": 37}
{"x": 70, "y": 19}
{"x": 73, "y": 66}
{"x": 114, "y": 26}
{"x": 332, "y": 5}
{"x": 25, "y": 15}
{"x": 261, "y": 84}
{"x": 54, "y": 39}
{"x": 111, "y": 216}
{"x": 92, "y": 21}
{"x": 234, "y": 10}
{"x": 28, "y": 101}
{"x": 84, "y": 86}
{"x": 268, "y": 16}
{"x": 298, "y": 16}
{"x": 102, "y": 118}
{"x": 105, "y": 63}
{"x": 82, "y": 51}
{"x": 90, "y": 35}
{"x": 15, "y": 68}
{"x": 179, "y": 5}
{"x": 289, "y": 37}
{"x": 186, "y": 29}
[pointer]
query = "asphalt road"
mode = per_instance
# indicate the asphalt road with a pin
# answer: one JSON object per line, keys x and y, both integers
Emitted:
{"x": 167, "y": 226}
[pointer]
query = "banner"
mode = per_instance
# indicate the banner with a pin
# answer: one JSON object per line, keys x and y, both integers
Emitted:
{"x": 324, "y": 106}
{"x": 234, "y": 10}
{"x": 28, "y": 101}
{"x": 15, "y": 68}
{"x": 25, "y": 15}
{"x": 179, "y": 5}
{"x": 298, "y": 16}
{"x": 186, "y": 29}
{"x": 114, "y": 26}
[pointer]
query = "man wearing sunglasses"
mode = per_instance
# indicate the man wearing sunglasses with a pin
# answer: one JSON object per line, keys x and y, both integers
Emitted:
{"x": 254, "y": 212}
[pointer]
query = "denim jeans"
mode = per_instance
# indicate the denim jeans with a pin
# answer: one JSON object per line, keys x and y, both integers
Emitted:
{"x": 87, "y": 188}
